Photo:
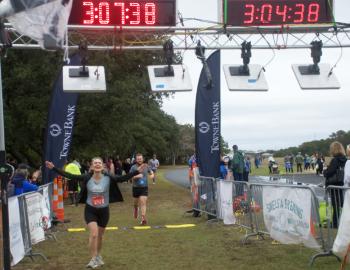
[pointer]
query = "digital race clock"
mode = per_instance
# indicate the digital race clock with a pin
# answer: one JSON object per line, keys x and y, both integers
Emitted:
{"x": 123, "y": 12}
{"x": 277, "y": 12}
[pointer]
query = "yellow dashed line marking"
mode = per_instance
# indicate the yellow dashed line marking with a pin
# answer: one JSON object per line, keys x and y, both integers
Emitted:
{"x": 77, "y": 230}
{"x": 142, "y": 227}
{"x": 181, "y": 226}
{"x": 111, "y": 228}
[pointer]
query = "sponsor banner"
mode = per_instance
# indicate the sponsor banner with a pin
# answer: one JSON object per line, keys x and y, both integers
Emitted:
{"x": 207, "y": 119}
{"x": 46, "y": 207}
{"x": 16, "y": 239}
{"x": 59, "y": 130}
{"x": 287, "y": 215}
{"x": 224, "y": 198}
{"x": 35, "y": 217}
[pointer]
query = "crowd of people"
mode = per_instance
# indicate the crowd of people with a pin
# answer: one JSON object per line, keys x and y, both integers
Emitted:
{"x": 304, "y": 162}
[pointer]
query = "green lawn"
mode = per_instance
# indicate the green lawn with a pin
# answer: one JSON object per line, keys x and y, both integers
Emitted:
{"x": 206, "y": 246}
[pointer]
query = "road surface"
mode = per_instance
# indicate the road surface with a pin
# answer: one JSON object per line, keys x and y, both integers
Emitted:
{"x": 180, "y": 177}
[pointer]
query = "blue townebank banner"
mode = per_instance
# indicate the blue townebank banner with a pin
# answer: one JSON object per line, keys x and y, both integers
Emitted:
{"x": 59, "y": 130}
{"x": 207, "y": 119}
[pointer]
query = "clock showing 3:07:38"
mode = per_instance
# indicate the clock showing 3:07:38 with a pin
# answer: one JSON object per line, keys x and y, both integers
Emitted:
{"x": 277, "y": 12}
{"x": 123, "y": 13}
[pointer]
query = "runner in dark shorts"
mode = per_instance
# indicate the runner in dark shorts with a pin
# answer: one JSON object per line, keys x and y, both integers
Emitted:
{"x": 98, "y": 190}
{"x": 140, "y": 188}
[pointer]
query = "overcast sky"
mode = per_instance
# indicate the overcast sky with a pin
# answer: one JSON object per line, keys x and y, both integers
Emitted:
{"x": 285, "y": 115}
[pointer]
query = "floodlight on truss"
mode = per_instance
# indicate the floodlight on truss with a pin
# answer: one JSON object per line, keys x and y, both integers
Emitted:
{"x": 246, "y": 77}
{"x": 169, "y": 78}
{"x": 180, "y": 81}
{"x": 84, "y": 79}
{"x": 316, "y": 76}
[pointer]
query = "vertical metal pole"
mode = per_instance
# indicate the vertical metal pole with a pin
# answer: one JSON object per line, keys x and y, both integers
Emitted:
{"x": 4, "y": 177}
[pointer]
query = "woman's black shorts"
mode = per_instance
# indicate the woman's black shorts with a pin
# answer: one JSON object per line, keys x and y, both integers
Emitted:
{"x": 98, "y": 215}
{"x": 139, "y": 191}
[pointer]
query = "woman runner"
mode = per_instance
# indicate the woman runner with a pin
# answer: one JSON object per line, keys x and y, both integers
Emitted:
{"x": 97, "y": 191}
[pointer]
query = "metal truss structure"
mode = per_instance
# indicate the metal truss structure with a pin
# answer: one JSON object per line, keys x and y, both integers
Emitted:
{"x": 212, "y": 37}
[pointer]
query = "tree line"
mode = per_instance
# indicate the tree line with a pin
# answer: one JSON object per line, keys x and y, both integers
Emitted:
{"x": 317, "y": 146}
{"x": 126, "y": 119}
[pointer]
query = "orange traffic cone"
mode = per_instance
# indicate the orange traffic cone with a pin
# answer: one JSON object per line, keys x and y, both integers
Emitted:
{"x": 312, "y": 228}
{"x": 55, "y": 196}
{"x": 60, "y": 207}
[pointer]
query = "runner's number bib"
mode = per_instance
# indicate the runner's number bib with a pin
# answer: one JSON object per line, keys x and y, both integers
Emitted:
{"x": 98, "y": 200}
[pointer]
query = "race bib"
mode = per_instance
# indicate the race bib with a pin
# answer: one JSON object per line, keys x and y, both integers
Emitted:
{"x": 98, "y": 200}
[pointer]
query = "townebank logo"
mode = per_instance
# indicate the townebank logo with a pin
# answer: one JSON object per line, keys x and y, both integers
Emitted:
{"x": 204, "y": 127}
{"x": 55, "y": 130}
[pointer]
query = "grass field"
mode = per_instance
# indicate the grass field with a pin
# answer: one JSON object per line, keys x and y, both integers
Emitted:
{"x": 206, "y": 246}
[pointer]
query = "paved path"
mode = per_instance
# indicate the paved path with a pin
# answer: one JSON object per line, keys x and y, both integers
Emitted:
{"x": 180, "y": 177}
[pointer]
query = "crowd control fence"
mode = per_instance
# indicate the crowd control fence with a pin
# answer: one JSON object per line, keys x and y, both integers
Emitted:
{"x": 315, "y": 219}
{"x": 30, "y": 216}
{"x": 204, "y": 195}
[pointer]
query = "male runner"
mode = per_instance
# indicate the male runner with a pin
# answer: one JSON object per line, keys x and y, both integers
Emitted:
{"x": 140, "y": 188}
{"x": 154, "y": 164}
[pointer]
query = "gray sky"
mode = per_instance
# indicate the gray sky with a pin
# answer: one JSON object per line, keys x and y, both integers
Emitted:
{"x": 285, "y": 115}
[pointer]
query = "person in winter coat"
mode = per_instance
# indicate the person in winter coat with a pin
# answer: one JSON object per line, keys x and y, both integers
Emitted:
{"x": 334, "y": 178}
{"x": 21, "y": 182}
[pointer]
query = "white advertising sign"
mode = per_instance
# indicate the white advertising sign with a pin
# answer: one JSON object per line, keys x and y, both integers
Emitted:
{"x": 287, "y": 215}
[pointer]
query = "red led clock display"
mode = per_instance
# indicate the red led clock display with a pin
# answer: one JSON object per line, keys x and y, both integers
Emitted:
{"x": 123, "y": 12}
{"x": 277, "y": 12}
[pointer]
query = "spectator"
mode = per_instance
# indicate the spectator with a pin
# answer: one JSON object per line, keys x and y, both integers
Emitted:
{"x": 224, "y": 171}
{"x": 287, "y": 163}
{"x": 237, "y": 165}
{"x": 36, "y": 178}
{"x": 73, "y": 185}
{"x": 338, "y": 161}
{"x": 299, "y": 160}
{"x": 21, "y": 182}
{"x": 291, "y": 160}
{"x": 127, "y": 165}
{"x": 257, "y": 161}
{"x": 247, "y": 168}
{"x": 313, "y": 161}
{"x": 192, "y": 163}
{"x": 319, "y": 164}
{"x": 118, "y": 167}
{"x": 271, "y": 161}
{"x": 110, "y": 166}
{"x": 307, "y": 162}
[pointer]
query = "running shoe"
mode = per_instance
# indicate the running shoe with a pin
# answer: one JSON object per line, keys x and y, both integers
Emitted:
{"x": 99, "y": 260}
{"x": 92, "y": 264}
{"x": 143, "y": 222}
{"x": 136, "y": 212}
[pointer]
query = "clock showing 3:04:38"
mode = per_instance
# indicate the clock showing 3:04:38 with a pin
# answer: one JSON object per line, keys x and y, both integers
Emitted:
{"x": 277, "y": 12}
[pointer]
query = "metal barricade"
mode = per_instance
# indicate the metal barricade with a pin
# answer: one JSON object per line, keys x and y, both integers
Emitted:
{"x": 204, "y": 196}
{"x": 48, "y": 232}
{"x": 25, "y": 230}
{"x": 28, "y": 247}
{"x": 256, "y": 192}
{"x": 334, "y": 198}
{"x": 243, "y": 205}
